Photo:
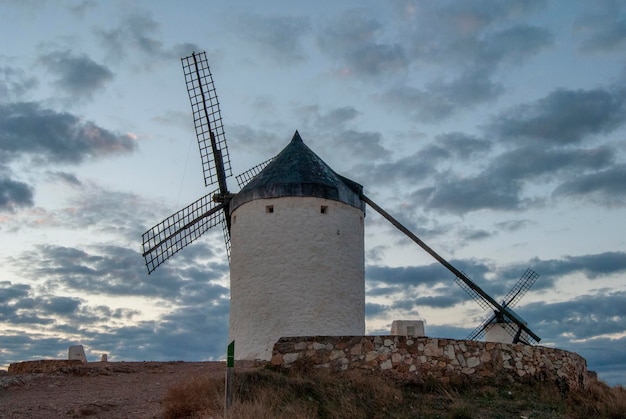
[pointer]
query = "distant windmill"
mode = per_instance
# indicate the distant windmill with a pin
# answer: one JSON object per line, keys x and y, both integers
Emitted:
{"x": 498, "y": 327}
{"x": 294, "y": 235}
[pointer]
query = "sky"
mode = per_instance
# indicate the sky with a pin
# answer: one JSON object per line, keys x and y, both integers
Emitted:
{"x": 495, "y": 131}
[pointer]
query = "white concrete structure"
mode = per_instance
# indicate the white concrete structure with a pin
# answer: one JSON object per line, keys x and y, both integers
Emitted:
{"x": 297, "y": 255}
{"x": 496, "y": 332}
{"x": 413, "y": 328}
{"x": 77, "y": 352}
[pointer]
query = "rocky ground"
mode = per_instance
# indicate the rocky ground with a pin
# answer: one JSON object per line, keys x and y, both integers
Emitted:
{"x": 102, "y": 390}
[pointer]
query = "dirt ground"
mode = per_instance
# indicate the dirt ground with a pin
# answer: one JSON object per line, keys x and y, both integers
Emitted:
{"x": 100, "y": 390}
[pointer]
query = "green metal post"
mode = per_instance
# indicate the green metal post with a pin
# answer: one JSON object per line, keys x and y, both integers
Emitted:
{"x": 230, "y": 366}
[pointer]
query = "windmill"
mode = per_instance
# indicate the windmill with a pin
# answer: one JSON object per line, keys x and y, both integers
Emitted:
{"x": 296, "y": 227}
{"x": 497, "y": 326}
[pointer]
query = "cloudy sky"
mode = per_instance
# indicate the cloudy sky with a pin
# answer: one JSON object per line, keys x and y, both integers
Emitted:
{"x": 496, "y": 131}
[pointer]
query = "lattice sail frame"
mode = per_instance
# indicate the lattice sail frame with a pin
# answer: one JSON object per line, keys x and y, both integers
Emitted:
{"x": 521, "y": 287}
{"x": 206, "y": 115}
{"x": 180, "y": 229}
{"x": 472, "y": 293}
{"x": 244, "y": 178}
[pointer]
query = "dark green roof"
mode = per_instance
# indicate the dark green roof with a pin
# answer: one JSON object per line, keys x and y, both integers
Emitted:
{"x": 298, "y": 171}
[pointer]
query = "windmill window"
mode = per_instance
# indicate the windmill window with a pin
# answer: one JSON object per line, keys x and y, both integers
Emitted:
{"x": 324, "y": 209}
{"x": 269, "y": 209}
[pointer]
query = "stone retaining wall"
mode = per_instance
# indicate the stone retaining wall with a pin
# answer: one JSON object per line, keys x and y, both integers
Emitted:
{"x": 445, "y": 360}
{"x": 44, "y": 366}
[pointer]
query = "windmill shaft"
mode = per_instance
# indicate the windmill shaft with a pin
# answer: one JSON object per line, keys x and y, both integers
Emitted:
{"x": 219, "y": 162}
{"x": 189, "y": 224}
{"x": 451, "y": 268}
{"x": 219, "y": 165}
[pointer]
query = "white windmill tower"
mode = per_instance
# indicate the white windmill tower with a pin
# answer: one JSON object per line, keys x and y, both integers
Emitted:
{"x": 297, "y": 257}
{"x": 296, "y": 229}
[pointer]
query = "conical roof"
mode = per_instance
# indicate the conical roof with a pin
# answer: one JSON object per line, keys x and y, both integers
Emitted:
{"x": 298, "y": 171}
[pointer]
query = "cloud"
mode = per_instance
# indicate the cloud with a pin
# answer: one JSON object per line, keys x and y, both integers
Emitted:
{"x": 480, "y": 39}
{"x": 467, "y": 234}
{"x": 134, "y": 32}
{"x": 422, "y": 166}
{"x": 118, "y": 271}
{"x": 373, "y": 309}
{"x": 14, "y": 84}
{"x": 55, "y": 137}
{"x": 337, "y": 117}
{"x": 441, "y": 99}
{"x": 512, "y": 44}
{"x": 22, "y": 305}
{"x": 79, "y": 76}
{"x": 562, "y": 117}
{"x": 605, "y": 27}
{"x": 513, "y": 225}
{"x": 137, "y": 36}
{"x": 501, "y": 184}
{"x": 425, "y": 275}
{"x": 532, "y": 161}
{"x": 361, "y": 145}
{"x": 461, "y": 195}
{"x": 60, "y": 305}
{"x": 355, "y": 38}
{"x": 201, "y": 324}
{"x": 413, "y": 169}
{"x": 593, "y": 266}
{"x": 66, "y": 178}
{"x": 469, "y": 89}
{"x": 244, "y": 137}
{"x": 280, "y": 36}
{"x": 477, "y": 31}
{"x": 419, "y": 104}
{"x": 83, "y": 7}
{"x": 605, "y": 187}
{"x": 583, "y": 317}
{"x": 14, "y": 194}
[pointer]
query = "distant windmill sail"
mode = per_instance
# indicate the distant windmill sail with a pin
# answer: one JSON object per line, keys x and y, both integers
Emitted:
{"x": 484, "y": 299}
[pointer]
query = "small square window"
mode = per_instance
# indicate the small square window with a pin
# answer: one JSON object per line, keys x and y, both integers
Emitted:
{"x": 324, "y": 209}
{"x": 269, "y": 209}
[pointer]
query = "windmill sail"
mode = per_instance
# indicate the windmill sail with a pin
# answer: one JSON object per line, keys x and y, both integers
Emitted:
{"x": 520, "y": 288}
{"x": 185, "y": 226}
{"x": 248, "y": 175}
{"x": 180, "y": 229}
{"x": 207, "y": 120}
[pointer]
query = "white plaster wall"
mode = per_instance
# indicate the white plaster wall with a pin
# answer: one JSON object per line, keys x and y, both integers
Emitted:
{"x": 401, "y": 328}
{"x": 497, "y": 333}
{"x": 295, "y": 272}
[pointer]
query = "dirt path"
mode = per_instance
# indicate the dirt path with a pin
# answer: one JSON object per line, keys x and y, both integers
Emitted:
{"x": 112, "y": 390}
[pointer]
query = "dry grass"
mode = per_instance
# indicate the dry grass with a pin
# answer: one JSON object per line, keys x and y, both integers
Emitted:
{"x": 600, "y": 400}
{"x": 268, "y": 394}
{"x": 191, "y": 398}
